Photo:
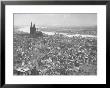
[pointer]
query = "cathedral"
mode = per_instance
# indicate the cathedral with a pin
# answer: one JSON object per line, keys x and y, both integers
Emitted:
{"x": 33, "y": 31}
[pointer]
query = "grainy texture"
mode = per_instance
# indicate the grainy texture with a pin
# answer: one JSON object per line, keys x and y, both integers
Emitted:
{"x": 55, "y": 49}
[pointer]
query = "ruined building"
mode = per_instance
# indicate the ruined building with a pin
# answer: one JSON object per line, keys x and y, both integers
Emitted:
{"x": 33, "y": 31}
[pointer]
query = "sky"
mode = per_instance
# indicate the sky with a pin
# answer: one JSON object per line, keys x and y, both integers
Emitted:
{"x": 60, "y": 19}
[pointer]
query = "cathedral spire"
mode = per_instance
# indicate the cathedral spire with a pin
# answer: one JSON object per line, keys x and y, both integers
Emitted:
{"x": 31, "y": 24}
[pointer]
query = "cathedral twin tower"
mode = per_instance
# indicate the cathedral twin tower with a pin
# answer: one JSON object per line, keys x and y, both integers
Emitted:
{"x": 33, "y": 31}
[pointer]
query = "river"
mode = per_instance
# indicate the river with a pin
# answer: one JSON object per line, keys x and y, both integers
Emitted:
{"x": 27, "y": 29}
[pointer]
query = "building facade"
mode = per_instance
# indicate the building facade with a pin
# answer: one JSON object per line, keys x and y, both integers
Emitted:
{"x": 33, "y": 31}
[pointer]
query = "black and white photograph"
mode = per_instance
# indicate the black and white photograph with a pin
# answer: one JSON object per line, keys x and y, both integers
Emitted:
{"x": 54, "y": 44}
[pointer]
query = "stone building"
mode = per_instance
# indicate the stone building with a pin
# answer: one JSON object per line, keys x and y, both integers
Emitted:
{"x": 34, "y": 32}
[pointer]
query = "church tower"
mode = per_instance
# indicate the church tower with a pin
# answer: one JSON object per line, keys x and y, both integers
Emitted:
{"x": 31, "y": 24}
{"x": 32, "y": 29}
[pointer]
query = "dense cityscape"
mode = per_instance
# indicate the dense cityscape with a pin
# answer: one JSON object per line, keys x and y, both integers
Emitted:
{"x": 54, "y": 55}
